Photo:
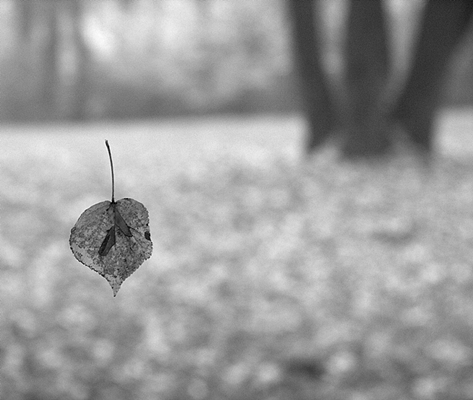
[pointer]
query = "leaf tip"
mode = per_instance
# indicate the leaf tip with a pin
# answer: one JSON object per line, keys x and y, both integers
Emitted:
{"x": 115, "y": 289}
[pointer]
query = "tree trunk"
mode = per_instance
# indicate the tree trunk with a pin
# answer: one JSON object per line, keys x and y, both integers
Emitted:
{"x": 21, "y": 98}
{"x": 25, "y": 10}
{"x": 366, "y": 74}
{"x": 82, "y": 60}
{"x": 50, "y": 61}
{"x": 314, "y": 90}
{"x": 442, "y": 27}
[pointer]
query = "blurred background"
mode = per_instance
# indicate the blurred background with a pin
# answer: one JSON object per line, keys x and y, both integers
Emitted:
{"x": 82, "y": 60}
{"x": 273, "y": 276}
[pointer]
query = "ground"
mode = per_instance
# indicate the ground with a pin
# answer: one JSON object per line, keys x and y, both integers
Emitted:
{"x": 272, "y": 277}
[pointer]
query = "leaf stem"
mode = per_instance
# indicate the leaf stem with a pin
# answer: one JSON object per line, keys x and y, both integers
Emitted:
{"x": 111, "y": 167}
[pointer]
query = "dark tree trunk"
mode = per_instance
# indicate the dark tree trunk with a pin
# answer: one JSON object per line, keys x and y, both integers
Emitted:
{"x": 50, "y": 61}
{"x": 442, "y": 27}
{"x": 366, "y": 74}
{"x": 82, "y": 58}
{"x": 314, "y": 89}
{"x": 22, "y": 100}
{"x": 25, "y": 10}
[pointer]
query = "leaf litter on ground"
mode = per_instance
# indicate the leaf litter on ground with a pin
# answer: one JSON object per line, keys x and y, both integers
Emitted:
{"x": 340, "y": 272}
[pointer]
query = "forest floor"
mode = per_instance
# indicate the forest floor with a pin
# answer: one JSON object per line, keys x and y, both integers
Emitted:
{"x": 272, "y": 276}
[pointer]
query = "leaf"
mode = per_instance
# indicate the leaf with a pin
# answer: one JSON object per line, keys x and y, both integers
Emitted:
{"x": 113, "y": 239}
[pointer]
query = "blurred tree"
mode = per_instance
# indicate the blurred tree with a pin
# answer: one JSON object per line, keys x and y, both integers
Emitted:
{"x": 81, "y": 84}
{"x": 369, "y": 115}
{"x": 461, "y": 71}
{"x": 34, "y": 66}
{"x": 25, "y": 13}
{"x": 366, "y": 59}
{"x": 313, "y": 83}
{"x": 206, "y": 69}
{"x": 50, "y": 58}
{"x": 19, "y": 86}
{"x": 444, "y": 24}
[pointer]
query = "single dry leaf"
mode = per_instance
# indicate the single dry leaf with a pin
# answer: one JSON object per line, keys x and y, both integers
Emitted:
{"x": 100, "y": 241}
{"x": 112, "y": 237}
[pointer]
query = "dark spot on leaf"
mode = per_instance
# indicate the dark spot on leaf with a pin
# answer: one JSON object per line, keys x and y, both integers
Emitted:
{"x": 108, "y": 242}
{"x": 147, "y": 236}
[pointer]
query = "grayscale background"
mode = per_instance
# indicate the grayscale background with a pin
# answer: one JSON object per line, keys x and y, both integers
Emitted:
{"x": 276, "y": 273}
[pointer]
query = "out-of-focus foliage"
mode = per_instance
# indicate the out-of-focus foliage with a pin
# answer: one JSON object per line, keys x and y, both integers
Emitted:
{"x": 83, "y": 59}
{"x": 142, "y": 57}
{"x": 258, "y": 259}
